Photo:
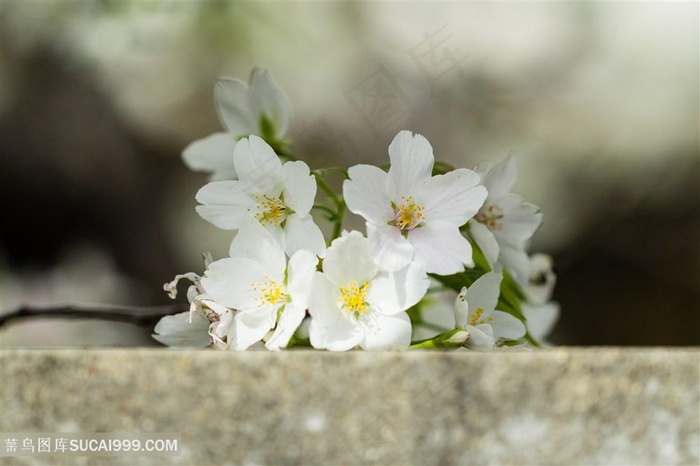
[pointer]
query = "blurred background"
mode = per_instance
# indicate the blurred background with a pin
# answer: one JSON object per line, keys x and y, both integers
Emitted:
{"x": 600, "y": 102}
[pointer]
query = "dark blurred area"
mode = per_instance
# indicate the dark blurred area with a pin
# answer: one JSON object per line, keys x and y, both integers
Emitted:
{"x": 599, "y": 101}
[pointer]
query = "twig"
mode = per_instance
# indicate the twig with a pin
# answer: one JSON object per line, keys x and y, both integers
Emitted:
{"x": 141, "y": 316}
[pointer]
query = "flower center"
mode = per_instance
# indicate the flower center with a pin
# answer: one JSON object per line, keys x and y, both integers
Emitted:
{"x": 407, "y": 215}
{"x": 270, "y": 292}
{"x": 353, "y": 297}
{"x": 476, "y": 319}
{"x": 490, "y": 216}
{"x": 270, "y": 210}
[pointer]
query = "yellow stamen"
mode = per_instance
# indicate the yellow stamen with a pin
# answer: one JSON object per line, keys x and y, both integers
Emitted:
{"x": 270, "y": 210}
{"x": 476, "y": 319}
{"x": 270, "y": 292}
{"x": 353, "y": 298}
{"x": 408, "y": 215}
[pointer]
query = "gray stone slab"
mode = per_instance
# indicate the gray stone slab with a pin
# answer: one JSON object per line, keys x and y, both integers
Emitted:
{"x": 557, "y": 406}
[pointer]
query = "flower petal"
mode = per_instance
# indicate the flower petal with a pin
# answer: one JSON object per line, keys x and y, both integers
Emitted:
{"x": 486, "y": 241}
{"x": 218, "y": 330}
{"x": 303, "y": 233}
{"x": 500, "y": 179}
{"x": 506, "y": 326}
{"x": 454, "y": 197}
{"x": 516, "y": 261}
{"x": 392, "y": 292}
{"x": 365, "y": 193}
{"x": 340, "y": 335}
{"x": 234, "y": 107}
{"x": 255, "y": 161}
{"x": 483, "y": 293}
{"x": 252, "y": 326}
{"x": 480, "y": 338}
{"x": 255, "y": 242}
{"x": 288, "y": 323}
{"x": 177, "y": 330}
{"x": 299, "y": 187}
{"x": 461, "y": 308}
{"x": 391, "y": 251}
{"x": 388, "y": 332}
{"x": 412, "y": 160}
{"x": 300, "y": 273}
{"x": 520, "y": 220}
{"x": 230, "y": 282}
{"x": 213, "y": 154}
{"x": 349, "y": 259}
{"x": 267, "y": 98}
{"x": 323, "y": 303}
{"x": 541, "y": 319}
{"x": 225, "y": 203}
{"x": 440, "y": 248}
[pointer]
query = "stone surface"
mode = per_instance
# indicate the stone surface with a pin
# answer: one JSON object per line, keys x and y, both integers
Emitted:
{"x": 558, "y": 406}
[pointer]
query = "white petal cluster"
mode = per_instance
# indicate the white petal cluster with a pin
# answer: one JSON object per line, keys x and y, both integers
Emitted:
{"x": 504, "y": 225}
{"x": 393, "y": 287}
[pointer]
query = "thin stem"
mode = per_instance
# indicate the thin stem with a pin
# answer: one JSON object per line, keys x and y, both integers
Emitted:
{"x": 340, "y": 215}
{"x": 339, "y": 202}
{"x": 327, "y": 189}
{"x": 141, "y": 316}
{"x": 330, "y": 212}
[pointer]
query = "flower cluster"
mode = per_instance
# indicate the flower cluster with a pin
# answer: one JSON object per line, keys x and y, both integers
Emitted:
{"x": 443, "y": 262}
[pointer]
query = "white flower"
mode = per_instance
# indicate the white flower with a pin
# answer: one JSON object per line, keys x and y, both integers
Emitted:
{"x": 540, "y": 313}
{"x": 268, "y": 293}
{"x": 475, "y": 312}
{"x": 279, "y": 196}
{"x": 355, "y": 304}
{"x": 411, "y": 216}
{"x": 261, "y": 108}
{"x": 505, "y": 223}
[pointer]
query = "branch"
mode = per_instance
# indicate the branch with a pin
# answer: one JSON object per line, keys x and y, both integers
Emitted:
{"x": 141, "y": 316}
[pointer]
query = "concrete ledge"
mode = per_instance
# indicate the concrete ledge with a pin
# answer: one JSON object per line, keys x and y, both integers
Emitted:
{"x": 560, "y": 406}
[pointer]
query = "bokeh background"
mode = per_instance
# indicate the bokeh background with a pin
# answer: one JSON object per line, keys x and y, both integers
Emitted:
{"x": 599, "y": 101}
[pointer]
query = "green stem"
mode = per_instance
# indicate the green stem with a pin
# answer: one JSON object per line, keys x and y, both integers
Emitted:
{"x": 338, "y": 227}
{"x": 339, "y": 202}
{"x": 453, "y": 339}
{"x": 327, "y": 189}
{"x": 330, "y": 212}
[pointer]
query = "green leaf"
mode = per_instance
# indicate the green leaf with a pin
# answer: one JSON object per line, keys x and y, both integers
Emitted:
{"x": 295, "y": 341}
{"x": 511, "y": 297}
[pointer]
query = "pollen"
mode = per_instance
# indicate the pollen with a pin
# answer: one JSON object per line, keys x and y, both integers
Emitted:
{"x": 352, "y": 298}
{"x": 270, "y": 210}
{"x": 407, "y": 215}
{"x": 476, "y": 318}
{"x": 269, "y": 292}
{"x": 490, "y": 216}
